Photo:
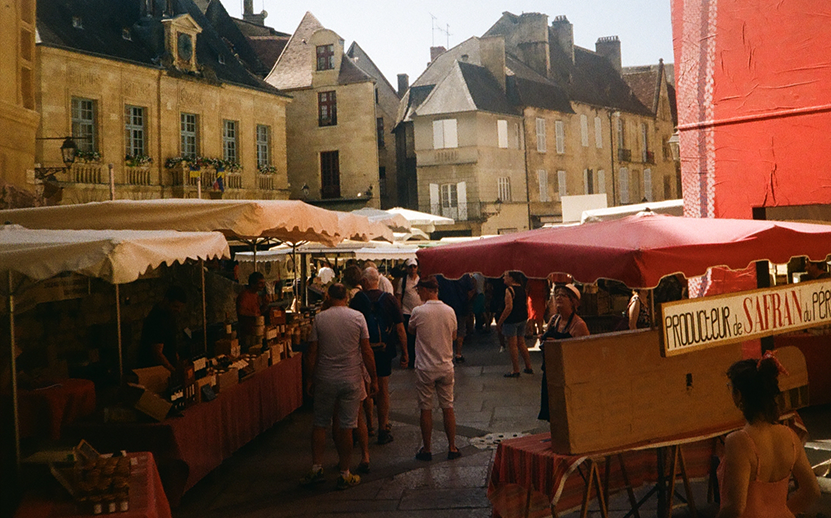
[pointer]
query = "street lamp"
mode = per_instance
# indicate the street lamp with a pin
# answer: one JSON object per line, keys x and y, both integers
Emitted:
{"x": 674, "y": 143}
{"x": 69, "y": 150}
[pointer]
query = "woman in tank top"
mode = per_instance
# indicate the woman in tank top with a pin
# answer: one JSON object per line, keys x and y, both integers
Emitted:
{"x": 760, "y": 459}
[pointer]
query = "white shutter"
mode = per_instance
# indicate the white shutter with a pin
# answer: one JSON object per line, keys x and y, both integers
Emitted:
{"x": 598, "y": 133}
{"x": 461, "y": 193}
{"x": 584, "y": 130}
{"x": 560, "y": 134}
{"x": 541, "y": 135}
{"x": 438, "y": 134}
{"x": 502, "y": 133}
{"x": 647, "y": 184}
{"x": 542, "y": 177}
{"x": 561, "y": 183}
{"x": 601, "y": 182}
{"x": 624, "y": 185}
{"x": 451, "y": 140}
{"x": 586, "y": 189}
{"x": 435, "y": 201}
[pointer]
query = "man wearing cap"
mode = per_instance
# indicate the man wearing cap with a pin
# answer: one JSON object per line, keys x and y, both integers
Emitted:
{"x": 407, "y": 295}
{"x": 434, "y": 325}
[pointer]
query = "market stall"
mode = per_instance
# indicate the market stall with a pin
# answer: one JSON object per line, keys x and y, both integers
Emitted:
{"x": 119, "y": 257}
{"x": 617, "y": 391}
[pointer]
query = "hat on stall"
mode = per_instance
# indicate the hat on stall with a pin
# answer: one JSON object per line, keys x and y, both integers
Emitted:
{"x": 411, "y": 262}
{"x": 429, "y": 284}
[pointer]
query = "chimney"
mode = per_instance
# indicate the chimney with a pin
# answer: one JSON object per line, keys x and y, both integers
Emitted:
{"x": 564, "y": 33}
{"x": 492, "y": 55}
{"x": 249, "y": 16}
{"x": 609, "y": 47}
{"x": 403, "y": 84}
{"x": 436, "y": 52}
{"x": 531, "y": 38}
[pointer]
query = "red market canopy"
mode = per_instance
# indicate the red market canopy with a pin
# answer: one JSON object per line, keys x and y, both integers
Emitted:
{"x": 637, "y": 250}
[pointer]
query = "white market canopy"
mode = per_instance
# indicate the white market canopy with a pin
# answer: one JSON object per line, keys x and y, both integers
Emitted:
{"x": 363, "y": 251}
{"x": 425, "y": 221}
{"x": 671, "y": 207}
{"x": 390, "y": 219}
{"x": 117, "y": 256}
{"x": 286, "y": 220}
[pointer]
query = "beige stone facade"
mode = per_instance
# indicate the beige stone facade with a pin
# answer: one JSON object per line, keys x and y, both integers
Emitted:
{"x": 114, "y": 85}
{"x": 353, "y": 137}
{"x": 331, "y": 124}
{"x": 18, "y": 117}
{"x": 465, "y": 181}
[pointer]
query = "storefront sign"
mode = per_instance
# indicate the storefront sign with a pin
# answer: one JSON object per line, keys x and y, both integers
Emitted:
{"x": 693, "y": 324}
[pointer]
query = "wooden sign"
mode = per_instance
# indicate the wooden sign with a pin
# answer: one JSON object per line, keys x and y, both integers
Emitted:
{"x": 615, "y": 390}
{"x": 688, "y": 325}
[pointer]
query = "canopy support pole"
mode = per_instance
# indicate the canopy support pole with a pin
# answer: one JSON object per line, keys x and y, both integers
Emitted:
{"x": 118, "y": 332}
{"x": 13, "y": 367}
{"x": 204, "y": 308}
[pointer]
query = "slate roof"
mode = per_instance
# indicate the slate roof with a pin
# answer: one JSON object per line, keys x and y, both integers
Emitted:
{"x": 591, "y": 79}
{"x": 645, "y": 82}
{"x": 268, "y": 49}
{"x": 524, "y": 86}
{"x": 102, "y": 35}
{"x": 294, "y": 67}
{"x": 365, "y": 63}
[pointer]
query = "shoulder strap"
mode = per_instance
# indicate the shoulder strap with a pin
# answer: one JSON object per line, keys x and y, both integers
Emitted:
{"x": 755, "y": 452}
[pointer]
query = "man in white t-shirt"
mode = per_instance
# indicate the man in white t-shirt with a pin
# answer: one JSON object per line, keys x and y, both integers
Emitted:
{"x": 338, "y": 352}
{"x": 407, "y": 295}
{"x": 326, "y": 274}
{"x": 434, "y": 326}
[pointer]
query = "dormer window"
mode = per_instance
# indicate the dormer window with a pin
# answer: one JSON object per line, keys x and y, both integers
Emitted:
{"x": 180, "y": 39}
{"x": 77, "y": 22}
{"x": 325, "y": 57}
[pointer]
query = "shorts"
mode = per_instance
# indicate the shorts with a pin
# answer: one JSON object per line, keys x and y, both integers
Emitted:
{"x": 434, "y": 382}
{"x": 346, "y": 394}
{"x": 515, "y": 329}
{"x": 383, "y": 360}
{"x": 461, "y": 326}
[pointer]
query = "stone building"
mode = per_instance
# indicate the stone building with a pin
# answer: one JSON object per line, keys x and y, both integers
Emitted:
{"x": 503, "y": 127}
{"x": 333, "y": 123}
{"x": 142, "y": 85}
{"x": 18, "y": 116}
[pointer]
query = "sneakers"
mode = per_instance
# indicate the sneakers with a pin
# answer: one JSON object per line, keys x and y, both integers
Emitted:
{"x": 350, "y": 480}
{"x": 384, "y": 437}
{"x": 313, "y": 477}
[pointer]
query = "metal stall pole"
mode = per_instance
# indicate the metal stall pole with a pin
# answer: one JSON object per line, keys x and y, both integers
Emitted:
{"x": 118, "y": 332}
{"x": 204, "y": 308}
{"x": 13, "y": 366}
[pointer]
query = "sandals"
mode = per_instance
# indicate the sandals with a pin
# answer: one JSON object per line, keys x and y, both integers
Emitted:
{"x": 511, "y": 375}
{"x": 528, "y": 371}
{"x": 453, "y": 455}
{"x": 424, "y": 455}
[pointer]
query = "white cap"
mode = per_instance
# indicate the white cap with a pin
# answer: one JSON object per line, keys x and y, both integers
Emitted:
{"x": 411, "y": 262}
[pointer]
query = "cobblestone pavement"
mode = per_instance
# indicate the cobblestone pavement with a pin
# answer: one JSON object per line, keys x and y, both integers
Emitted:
{"x": 261, "y": 479}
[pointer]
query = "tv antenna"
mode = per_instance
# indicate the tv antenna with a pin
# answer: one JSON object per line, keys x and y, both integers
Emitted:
{"x": 437, "y": 27}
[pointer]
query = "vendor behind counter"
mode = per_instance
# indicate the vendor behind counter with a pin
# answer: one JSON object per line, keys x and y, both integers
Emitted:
{"x": 160, "y": 331}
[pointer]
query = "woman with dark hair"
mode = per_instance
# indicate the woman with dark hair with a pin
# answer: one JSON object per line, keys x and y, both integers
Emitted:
{"x": 760, "y": 458}
{"x": 565, "y": 323}
{"x": 513, "y": 320}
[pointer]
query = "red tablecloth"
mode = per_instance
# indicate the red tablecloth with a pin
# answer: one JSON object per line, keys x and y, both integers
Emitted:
{"x": 147, "y": 498}
{"x": 44, "y": 411}
{"x": 529, "y": 463}
{"x": 189, "y": 447}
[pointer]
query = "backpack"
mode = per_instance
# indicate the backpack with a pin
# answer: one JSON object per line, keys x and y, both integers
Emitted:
{"x": 376, "y": 323}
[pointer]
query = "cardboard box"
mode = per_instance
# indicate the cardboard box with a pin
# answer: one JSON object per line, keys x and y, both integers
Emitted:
{"x": 152, "y": 405}
{"x": 271, "y": 333}
{"x": 228, "y": 347}
{"x": 615, "y": 390}
{"x": 207, "y": 380}
{"x": 226, "y": 380}
{"x": 277, "y": 316}
{"x": 260, "y": 362}
{"x": 155, "y": 379}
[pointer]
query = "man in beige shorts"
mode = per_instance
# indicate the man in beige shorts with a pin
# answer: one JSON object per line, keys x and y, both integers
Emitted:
{"x": 434, "y": 326}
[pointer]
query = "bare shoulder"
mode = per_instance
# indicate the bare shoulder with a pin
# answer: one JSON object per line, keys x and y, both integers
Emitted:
{"x": 738, "y": 441}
